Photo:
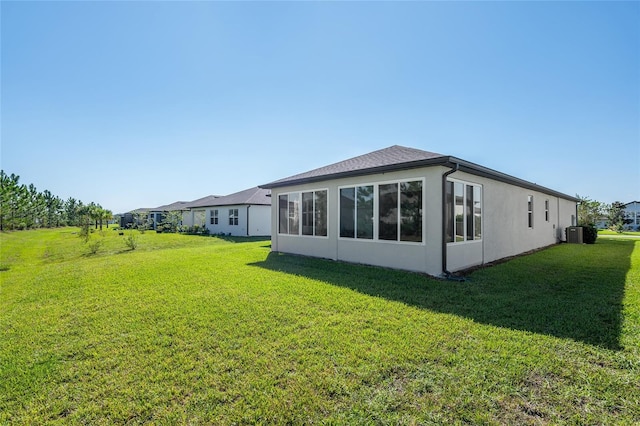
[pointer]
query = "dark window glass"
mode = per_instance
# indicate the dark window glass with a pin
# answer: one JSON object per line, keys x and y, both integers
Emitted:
{"x": 283, "y": 215}
{"x": 469, "y": 212}
{"x": 477, "y": 212}
{"x": 388, "y": 212}
{"x": 294, "y": 214}
{"x": 364, "y": 206}
{"x": 449, "y": 211}
{"x": 321, "y": 213}
{"x": 530, "y": 211}
{"x": 233, "y": 216}
{"x": 307, "y": 213}
{"x": 546, "y": 210}
{"x": 411, "y": 211}
{"x": 347, "y": 212}
{"x": 459, "y": 210}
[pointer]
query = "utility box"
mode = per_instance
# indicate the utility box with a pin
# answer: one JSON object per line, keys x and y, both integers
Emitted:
{"x": 574, "y": 234}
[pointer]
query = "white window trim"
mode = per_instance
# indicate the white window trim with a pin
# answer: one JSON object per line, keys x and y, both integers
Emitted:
{"x": 376, "y": 209}
{"x": 464, "y": 223}
{"x": 300, "y": 234}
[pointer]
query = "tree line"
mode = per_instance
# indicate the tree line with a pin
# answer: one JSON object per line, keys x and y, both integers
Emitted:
{"x": 590, "y": 212}
{"x": 24, "y": 207}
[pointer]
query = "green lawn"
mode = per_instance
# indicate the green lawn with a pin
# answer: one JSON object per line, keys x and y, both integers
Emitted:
{"x": 202, "y": 330}
{"x": 609, "y": 232}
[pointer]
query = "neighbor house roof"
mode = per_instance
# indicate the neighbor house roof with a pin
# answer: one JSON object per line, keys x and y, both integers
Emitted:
{"x": 204, "y": 201}
{"x": 177, "y": 206}
{"x": 254, "y": 196}
{"x": 398, "y": 157}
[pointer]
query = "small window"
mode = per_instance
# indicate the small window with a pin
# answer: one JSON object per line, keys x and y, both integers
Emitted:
{"x": 530, "y": 210}
{"x": 546, "y": 210}
{"x": 214, "y": 217}
{"x": 233, "y": 216}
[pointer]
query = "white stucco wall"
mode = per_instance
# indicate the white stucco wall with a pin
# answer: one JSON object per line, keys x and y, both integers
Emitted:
{"x": 419, "y": 257}
{"x": 259, "y": 223}
{"x": 505, "y": 230}
{"x": 505, "y": 223}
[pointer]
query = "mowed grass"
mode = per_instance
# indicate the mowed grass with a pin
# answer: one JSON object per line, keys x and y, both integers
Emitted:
{"x": 202, "y": 330}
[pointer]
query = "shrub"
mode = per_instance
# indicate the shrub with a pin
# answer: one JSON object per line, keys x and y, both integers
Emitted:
{"x": 94, "y": 246}
{"x": 589, "y": 233}
{"x": 131, "y": 241}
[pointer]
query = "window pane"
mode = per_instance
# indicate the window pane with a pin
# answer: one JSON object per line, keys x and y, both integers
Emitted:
{"x": 388, "y": 212}
{"x": 294, "y": 214}
{"x": 449, "y": 211}
{"x": 459, "y": 210}
{"x": 468, "y": 208}
{"x": 477, "y": 212}
{"x": 365, "y": 212}
{"x": 411, "y": 211}
{"x": 307, "y": 213}
{"x": 546, "y": 210}
{"x": 283, "y": 214}
{"x": 530, "y": 210}
{"x": 321, "y": 213}
{"x": 347, "y": 212}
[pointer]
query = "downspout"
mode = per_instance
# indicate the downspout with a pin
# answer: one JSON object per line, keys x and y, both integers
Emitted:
{"x": 248, "y": 219}
{"x": 445, "y": 272}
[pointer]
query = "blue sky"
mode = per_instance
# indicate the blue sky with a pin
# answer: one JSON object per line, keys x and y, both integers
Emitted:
{"x": 139, "y": 104}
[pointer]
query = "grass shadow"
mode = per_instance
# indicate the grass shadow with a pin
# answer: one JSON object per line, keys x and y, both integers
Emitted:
{"x": 567, "y": 291}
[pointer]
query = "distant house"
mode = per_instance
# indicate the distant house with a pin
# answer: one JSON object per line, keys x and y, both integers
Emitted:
{"x": 155, "y": 216}
{"x": 195, "y": 213}
{"x": 632, "y": 214}
{"x": 410, "y": 209}
{"x": 244, "y": 213}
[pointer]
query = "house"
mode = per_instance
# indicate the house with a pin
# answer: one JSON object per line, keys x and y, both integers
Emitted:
{"x": 632, "y": 215}
{"x": 156, "y": 216}
{"x": 410, "y": 209}
{"x": 195, "y": 214}
{"x": 244, "y": 213}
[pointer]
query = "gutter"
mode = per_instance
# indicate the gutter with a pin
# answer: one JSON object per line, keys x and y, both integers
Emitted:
{"x": 248, "y": 206}
{"x": 445, "y": 272}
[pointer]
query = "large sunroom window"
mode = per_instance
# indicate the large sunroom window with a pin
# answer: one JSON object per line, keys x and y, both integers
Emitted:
{"x": 397, "y": 217}
{"x": 303, "y": 213}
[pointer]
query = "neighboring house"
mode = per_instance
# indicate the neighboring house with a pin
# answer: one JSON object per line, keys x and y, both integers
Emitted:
{"x": 245, "y": 213}
{"x": 632, "y": 214}
{"x": 156, "y": 215}
{"x": 195, "y": 214}
{"x": 134, "y": 218}
{"x": 410, "y": 209}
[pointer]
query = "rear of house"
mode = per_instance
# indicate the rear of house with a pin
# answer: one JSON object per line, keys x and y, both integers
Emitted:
{"x": 415, "y": 210}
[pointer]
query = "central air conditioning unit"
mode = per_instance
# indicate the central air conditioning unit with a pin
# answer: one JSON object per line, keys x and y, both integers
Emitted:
{"x": 574, "y": 234}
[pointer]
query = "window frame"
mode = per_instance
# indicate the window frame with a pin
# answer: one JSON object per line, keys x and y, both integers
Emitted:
{"x": 546, "y": 210}
{"x": 233, "y": 217}
{"x": 469, "y": 231}
{"x": 214, "y": 219}
{"x": 530, "y": 210}
{"x": 376, "y": 211}
{"x": 314, "y": 214}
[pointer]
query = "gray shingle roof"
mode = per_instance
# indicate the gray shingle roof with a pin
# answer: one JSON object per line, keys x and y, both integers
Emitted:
{"x": 204, "y": 201}
{"x": 177, "y": 206}
{"x": 394, "y": 157}
{"x": 398, "y": 157}
{"x": 255, "y": 196}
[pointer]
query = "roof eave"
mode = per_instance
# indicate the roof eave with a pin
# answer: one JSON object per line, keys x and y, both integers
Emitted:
{"x": 360, "y": 172}
{"x": 447, "y": 161}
